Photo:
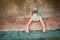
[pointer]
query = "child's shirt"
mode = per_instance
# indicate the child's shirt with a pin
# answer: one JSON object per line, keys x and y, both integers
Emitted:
{"x": 36, "y": 19}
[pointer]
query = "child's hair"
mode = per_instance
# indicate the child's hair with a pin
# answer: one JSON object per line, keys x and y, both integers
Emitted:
{"x": 34, "y": 12}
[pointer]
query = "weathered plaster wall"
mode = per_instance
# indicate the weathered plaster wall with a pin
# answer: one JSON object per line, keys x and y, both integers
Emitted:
{"x": 22, "y": 8}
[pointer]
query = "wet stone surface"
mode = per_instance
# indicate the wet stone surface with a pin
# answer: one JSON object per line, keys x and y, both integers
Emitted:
{"x": 33, "y": 34}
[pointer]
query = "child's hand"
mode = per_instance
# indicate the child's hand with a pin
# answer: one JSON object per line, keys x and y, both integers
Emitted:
{"x": 27, "y": 30}
{"x": 44, "y": 30}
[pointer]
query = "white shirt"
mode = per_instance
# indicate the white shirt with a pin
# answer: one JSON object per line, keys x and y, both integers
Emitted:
{"x": 36, "y": 19}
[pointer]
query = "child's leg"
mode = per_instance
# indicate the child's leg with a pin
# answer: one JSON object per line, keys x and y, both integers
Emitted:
{"x": 44, "y": 28}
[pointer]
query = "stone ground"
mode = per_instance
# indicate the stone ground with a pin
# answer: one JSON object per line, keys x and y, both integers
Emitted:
{"x": 20, "y": 23}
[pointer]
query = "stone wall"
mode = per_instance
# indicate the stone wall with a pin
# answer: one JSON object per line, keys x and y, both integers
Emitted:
{"x": 23, "y": 8}
{"x": 12, "y": 11}
{"x": 21, "y": 23}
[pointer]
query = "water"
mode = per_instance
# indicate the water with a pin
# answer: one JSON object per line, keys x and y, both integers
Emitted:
{"x": 32, "y": 35}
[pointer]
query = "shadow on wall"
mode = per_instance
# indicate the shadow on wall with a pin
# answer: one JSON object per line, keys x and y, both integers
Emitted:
{"x": 57, "y": 7}
{"x": 55, "y": 4}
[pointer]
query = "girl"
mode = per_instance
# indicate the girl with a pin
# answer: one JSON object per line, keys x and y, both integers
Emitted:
{"x": 35, "y": 17}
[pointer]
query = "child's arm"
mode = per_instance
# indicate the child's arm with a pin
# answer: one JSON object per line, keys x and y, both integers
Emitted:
{"x": 44, "y": 28}
{"x": 27, "y": 29}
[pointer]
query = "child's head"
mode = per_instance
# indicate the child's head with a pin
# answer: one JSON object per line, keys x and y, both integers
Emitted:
{"x": 35, "y": 13}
